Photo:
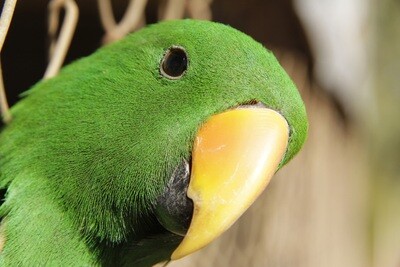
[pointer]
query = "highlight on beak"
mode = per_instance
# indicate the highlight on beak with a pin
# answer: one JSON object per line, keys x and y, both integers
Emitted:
{"x": 235, "y": 154}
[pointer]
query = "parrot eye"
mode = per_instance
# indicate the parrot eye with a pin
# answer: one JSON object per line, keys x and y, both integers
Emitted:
{"x": 174, "y": 63}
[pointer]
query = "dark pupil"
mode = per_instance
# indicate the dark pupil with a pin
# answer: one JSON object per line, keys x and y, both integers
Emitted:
{"x": 175, "y": 62}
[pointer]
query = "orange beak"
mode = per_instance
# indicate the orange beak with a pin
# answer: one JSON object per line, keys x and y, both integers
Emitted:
{"x": 235, "y": 155}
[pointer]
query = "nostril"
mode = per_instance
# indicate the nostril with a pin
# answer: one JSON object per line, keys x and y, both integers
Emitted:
{"x": 252, "y": 104}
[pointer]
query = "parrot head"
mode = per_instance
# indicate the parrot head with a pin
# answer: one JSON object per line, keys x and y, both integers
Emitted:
{"x": 148, "y": 149}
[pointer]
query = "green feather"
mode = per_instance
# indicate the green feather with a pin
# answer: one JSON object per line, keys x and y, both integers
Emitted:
{"x": 89, "y": 150}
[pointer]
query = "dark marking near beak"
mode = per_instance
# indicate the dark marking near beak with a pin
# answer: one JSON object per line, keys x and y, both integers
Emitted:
{"x": 174, "y": 209}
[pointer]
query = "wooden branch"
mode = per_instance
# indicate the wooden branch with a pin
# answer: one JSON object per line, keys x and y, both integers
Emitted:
{"x": 5, "y": 20}
{"x": 132, "y": 19}
{"x": 59, "y": 46}
{"x": 174, "y": 9}
{"x": 200, "y": 9}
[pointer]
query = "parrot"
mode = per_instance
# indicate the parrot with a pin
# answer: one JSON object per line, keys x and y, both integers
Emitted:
{"x": 146, "y": 150}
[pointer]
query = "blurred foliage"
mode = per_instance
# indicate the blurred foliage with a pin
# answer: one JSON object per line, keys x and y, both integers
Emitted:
{"x": 386, "y": 131}
{"x": 385, "y": 134}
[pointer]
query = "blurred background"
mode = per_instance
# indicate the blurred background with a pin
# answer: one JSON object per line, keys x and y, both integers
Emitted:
{"x": 337, "y": 203}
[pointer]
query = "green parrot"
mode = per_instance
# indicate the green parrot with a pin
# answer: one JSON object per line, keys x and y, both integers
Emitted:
{"x": 146, "y": 150}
